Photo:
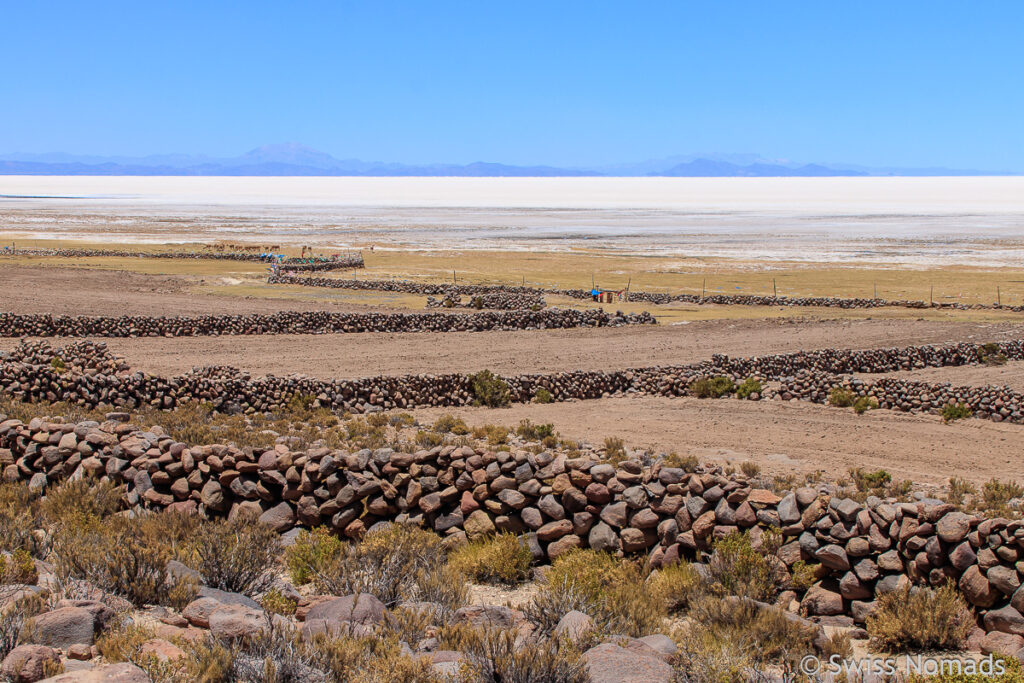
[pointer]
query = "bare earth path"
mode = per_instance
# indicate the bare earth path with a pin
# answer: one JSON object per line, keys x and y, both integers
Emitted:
{"x": 361, "y": 355}
{"x": 781, "y": 437}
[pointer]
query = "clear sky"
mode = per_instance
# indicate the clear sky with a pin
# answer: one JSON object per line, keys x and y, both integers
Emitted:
{"x": 560, "y": 82}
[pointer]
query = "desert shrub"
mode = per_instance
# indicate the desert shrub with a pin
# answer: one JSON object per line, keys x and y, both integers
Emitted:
{"x": 611, "y": 591}
{"x": 13, "y": 620}
{"x": 427, "y": 439}
{"x": 688, "y": 463}
{"x": 235, "y": 555}
{"x": 996, "y": 495}
{"x": 311, "y": 553}
{"x": 676, "y": 585}
{"x": 502, "y": 558}
{"x": 1013, "y": 672}
{"x": 614, "y": 449}
{"x": 864, "y": 403}
{"x": 955, "y": 411}
{"x": 534, "y": 432}
{"x": 749, "y": 468}
{"x": 711, "y": 387}
{"x": 802, "y": 575}
{"x": 410, "y": 625}
{"x": 841, "y": 397}
{"x": 497, "y": 655}
{"x": 388, "y": 563}
{"x": 542, "y": 395}
{"x": 476, "y": 302}
{"x": 441, "y": 585}
{"x": 992, "y": 354}
{"x": 959, "y": 488}
{"x": 57, "y": 363}
{"x": 401, "y": 420}
{"x": 18, "y": 568}
{"x": 729, "y": 638}
{"x": 448, "y": 423}
{"x": 19, "y": 517}
{"x": 750, "y": 385}
{"x": 489, "y": 389}
{"x": 276, "y": 602}
{"x": 118, "y": 556}
{"x": 867, "y": 480}
{"x": 80, "y": 498}
{"x": 737, "y": 568}
{"x": 920, "y": 619}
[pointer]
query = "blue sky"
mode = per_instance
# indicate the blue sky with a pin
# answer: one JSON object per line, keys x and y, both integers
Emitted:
{"x": 559, "y": 82}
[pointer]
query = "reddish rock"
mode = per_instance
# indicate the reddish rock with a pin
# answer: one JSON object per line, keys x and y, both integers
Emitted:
{"x": 610, "y": 663}
{"x": 27, "y": 663}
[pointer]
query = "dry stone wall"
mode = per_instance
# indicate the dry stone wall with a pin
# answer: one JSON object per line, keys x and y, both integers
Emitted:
{"x": 87, "y": 374}
{"x": 306, "y": 322}
{"x": 559, "y": 502}
{"x": 639, "y": 297}
{"x": 309, "y": 264}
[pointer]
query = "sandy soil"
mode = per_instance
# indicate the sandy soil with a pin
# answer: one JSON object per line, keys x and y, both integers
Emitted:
{"x": 782, "y": 438}
{"x": 361, "y": 355}
{"x": 81, "y": 291}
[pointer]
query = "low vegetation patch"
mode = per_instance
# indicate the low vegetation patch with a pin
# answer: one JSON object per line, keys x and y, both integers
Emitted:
{"x": 614, "y": 449}
{"x": 502, "y": 558}
{"x": 992, "y": 354}
{"x": 920, "y": 619}
{"x": 711, "y": 387}
{"x": 449, "y": 424}
{"x": 542, "y": 395}
{"x": 841, "y": 397}
{"x": 750, "y": 385}
{"x": 311, "y": 554}
{"x": 489, "y": 390}
{"x": 737, "y": 568}
{"x": 535, "y": 432}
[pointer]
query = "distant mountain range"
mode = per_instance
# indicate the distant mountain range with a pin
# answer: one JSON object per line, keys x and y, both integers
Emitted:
{"x": 293, "y": 159}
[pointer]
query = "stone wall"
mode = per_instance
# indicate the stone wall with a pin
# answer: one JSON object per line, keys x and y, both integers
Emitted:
{"x": 560, "y": 503}
{"x": 641, "y": 297}
{"x": 310, "y": 264}
{"x": 91, "y": 376}
{"x": 305, "y": 322}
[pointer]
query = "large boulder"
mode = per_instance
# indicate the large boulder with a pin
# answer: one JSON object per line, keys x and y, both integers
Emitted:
{"x": 111, "y": 673}
{"x": 574, "y": 626}
{"x": 66, "y": 626}
{"x": 822, "y": 601}
{"x": 610, "y": 663}
{"x": 359, "y": 609}
{"x": 27, "y": 663}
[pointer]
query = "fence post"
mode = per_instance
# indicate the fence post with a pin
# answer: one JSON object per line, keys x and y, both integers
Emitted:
{"x": 703, "y": 287}
{"x": 775, "y": 290}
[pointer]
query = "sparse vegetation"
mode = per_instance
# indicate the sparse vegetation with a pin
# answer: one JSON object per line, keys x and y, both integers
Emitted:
{"x": 955, "y": 411}
{"x": 688, "y": 463}
{"x": 535, "y": 432}
{"x": 542, "y": 395}
{"x": 841, "y": 397}
{"x": 234, "y": 555}
{"x": 311, "y": 554}
{"x": 449, "y": 424}
{"x": 614, "y": 449}
{"x": 864, "y": 403}
{"x": 992, "y": 354}
{"x": 958, "y": 489}
{"x": 867, "y": 480}
{"x": 750, "y": 385}
{"x": 711, "y": 387}
{"x": 750, "y": 468}
{"x": 737, "y": 568}
{"x": 920, "y": 619}
{"x": 489, "y": 390}
{"x": 997, "y": 494}
{"x": 502, "y": 558}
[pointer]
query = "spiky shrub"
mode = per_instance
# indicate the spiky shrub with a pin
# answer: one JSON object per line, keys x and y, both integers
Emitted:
{"x": 750, "y": 385}
{"x": 448, "y": 423}
{"x": 13, "y": 619}
{"x": 428, "y": 439}
{"x": 609, "y": 590}
{"x": 960, "y": 488}
{"x": 996, "y": 495}
{"x": 737, "y": 568}
{"x": 864, "y": 403}
{"x": 711, "y": 387}
{"x": 19, "y": 517}
{"x": 730, "y": 639}
{"x": 534, "y": 432}
{"x": 750, "y": 468}
{"x": 389, "y": 563}
{"x": 489, "y": 390}
{"x": 614, "y": 449}
{"x": 499, "y": 656}
{"x": 235, "y": 555}
{"x": 992, "y": 354}
{"x": 18, "y": 568}
{"x": 841, "y": 397}
{"x": 502, "y": 558}
{"x": 919, "y": 619}
{"x": 676, "y": 585}
{"x": 311, "y": 553}
{"x": 688, "y": 463}
{"x": 869, "y": 480}
{"x": 955, "y": 411}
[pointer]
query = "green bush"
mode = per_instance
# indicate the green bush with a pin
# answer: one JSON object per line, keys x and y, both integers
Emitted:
{"x": 864, "y": 403}
{"x": 841, "y": 397}
{"x": 751, "y": 385}
{"x": 426, "y": 439}
{"x": 920, "y": 619}
{"x": 866, "y": 480}
{"x": 542, "y": 395}
{"x": 534, "y": 432}
{"x": 955, "y": 411}
{"x": 713, "y": 387}
{"x": 996, "y": 495}
{"x": 737, "y": 568}
{"x": 448, "y": 423}
{"x": 489, "y": 390}
{"x": 311, "y": 553}
{"x": 992, "y": 354}
{"x": 614, "y": 449}
{"x": 503, "y": 558}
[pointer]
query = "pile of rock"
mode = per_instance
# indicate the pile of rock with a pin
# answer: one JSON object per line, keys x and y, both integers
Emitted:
{"x": 307, "y": 322}
{"x": 557, "y": 502}
{"x": 498, "y": 301}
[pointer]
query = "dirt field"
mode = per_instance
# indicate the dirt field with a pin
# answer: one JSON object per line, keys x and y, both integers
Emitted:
{"x": 361, "y": 355}
{"x": 782, "y": 438}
